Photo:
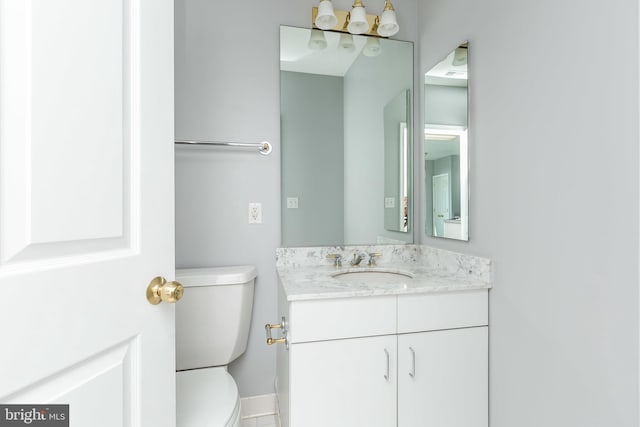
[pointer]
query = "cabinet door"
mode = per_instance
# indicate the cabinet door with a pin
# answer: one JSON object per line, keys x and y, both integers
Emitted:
{"x": 346, "y": 383}
{"x": 443, "y": 378}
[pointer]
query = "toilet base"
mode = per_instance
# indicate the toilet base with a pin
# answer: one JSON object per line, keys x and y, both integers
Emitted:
{"x": 207, "y": 397}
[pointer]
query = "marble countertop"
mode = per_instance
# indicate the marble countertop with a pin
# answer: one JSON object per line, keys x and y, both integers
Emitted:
{"x": 306, "y": 274}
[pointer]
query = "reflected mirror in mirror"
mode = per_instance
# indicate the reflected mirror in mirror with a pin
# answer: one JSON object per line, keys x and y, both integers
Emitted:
{"x": 446, "y": 145}
{"x": 346, "y": 138}
{"x": 397, "y": 134}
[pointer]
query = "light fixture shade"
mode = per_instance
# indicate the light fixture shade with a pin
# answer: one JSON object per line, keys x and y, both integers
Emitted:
{"x": 388, "y": 23}
{"x": 317, "y": 41}
{"x": 326, "y": 18}
{"x": 358, "y": 23}
{"x": 460, "y": 56}
{"x": 372, "y": 47}
{"x": 346, "y": 43}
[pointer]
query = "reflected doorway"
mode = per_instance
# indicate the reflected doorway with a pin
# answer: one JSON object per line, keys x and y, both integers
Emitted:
{"x": 441, "y": 203}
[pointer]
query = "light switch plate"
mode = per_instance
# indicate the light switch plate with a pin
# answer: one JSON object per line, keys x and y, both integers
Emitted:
{"x": 292, "y": 203}
{"x": 389, "y": 202}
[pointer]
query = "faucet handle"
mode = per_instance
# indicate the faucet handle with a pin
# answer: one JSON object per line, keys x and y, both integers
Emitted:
{"x": 372, "y": 258}
{"x": 337, "y": 259}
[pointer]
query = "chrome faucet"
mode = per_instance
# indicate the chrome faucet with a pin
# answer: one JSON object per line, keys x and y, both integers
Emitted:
{"x": 357, "y": 258}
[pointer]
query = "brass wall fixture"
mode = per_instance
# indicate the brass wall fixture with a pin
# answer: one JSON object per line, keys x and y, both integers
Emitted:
{"x": 160, "y": 290}
{"x": 283, "y": 338}
{"x": 356, "y": 21}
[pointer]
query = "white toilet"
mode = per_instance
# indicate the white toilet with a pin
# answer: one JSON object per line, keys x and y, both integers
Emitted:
{"x": 212, "y": 328}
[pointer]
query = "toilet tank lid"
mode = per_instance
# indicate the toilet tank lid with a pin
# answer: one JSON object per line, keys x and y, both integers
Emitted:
{"x": 216, "y": 275}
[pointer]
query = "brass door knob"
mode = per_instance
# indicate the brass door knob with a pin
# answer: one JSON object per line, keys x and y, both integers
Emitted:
{"x": 160, "y": 290}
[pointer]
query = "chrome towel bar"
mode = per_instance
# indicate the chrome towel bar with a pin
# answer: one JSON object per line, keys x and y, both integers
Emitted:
{"x": 263, "y": 147}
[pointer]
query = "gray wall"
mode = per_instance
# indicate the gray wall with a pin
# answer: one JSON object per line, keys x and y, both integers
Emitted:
{"x": 312, "y": 159}
{"x": 445, "y": 105}
{"x": 227, "y": 88}
{"x": 550, "y": 81}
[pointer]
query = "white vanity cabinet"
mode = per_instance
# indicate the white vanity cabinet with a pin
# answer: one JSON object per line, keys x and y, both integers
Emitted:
{"x": 349, "y": 382}
{"x": 341, "y": 358}
{"x": 442, "y": 378}
{"x": 393, "y": 360}
{"x": 443, "y": 373}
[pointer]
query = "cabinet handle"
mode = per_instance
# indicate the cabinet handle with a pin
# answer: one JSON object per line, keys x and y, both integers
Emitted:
{"x": 386, "y": 375}
{"x": 412, "y": 372}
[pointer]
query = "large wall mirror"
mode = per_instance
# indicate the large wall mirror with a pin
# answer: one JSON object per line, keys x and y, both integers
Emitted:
{"x": 446, "y": 146}
{"x": 346, "y": 139}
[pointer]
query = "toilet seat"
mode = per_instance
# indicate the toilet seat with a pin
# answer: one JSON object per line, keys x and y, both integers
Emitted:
{"x": 207, "y": 397}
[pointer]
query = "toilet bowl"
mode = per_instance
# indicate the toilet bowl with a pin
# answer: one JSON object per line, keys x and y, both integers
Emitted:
{"x": 212, "y": 329}
{"x": 207, "y": 397}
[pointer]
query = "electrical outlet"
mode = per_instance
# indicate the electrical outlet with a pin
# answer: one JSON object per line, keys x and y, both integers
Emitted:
{"x": 292, "y": 203}
{"x": 255, "y": 213}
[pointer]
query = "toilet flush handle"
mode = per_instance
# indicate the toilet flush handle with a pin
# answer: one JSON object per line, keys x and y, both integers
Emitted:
{"x": 160, "y": 290}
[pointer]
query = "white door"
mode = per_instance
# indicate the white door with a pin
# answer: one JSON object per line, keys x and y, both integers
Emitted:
{"x": 441, "y": 203}
{"x": 86, "y": 208}
{"x": 443, "y": 378}
{"x": 343, "y": 383}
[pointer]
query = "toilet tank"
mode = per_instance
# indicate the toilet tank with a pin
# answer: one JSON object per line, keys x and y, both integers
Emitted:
{"x": 213, "y": 316}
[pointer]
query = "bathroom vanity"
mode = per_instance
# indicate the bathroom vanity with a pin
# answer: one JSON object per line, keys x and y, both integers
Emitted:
{"x": 385, "y": 350}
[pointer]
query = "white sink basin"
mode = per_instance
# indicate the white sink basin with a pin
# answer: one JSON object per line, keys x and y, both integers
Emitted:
{"x": 372, "y": 276}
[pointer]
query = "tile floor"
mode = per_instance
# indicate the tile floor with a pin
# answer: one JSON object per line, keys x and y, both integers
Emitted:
{"x": 264, "y": 421}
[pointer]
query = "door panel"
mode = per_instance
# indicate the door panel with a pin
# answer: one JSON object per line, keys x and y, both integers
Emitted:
{"x": 61, "y": 59}
{"x": 441, "y": 203}
{"x": 84, "y": 384}
{"x": 86, "y": 207}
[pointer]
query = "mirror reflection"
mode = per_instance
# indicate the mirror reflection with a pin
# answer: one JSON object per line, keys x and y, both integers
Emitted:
{"x": 446, "y": 143}
{"x": 345, "y": 138}
{"x": 397, "y": 134}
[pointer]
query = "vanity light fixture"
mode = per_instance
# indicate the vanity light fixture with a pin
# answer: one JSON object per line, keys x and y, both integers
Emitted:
{"x": 326, "y": 18}
{"x": 372, "y": 47}
{"x": 317, "y": 40}
{"x": 388, "y": 23}
{"x": 356, "y": 21}
{"x": 346, "y": 43}
{"x": 460, "y": 56}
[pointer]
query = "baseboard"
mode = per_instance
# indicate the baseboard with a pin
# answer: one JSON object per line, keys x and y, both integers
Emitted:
{"x": 258, "y": 406}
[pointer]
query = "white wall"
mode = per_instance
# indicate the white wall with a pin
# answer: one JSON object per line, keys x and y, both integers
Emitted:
{"x": 554, "y": 107}
{"x": 227, "y": 87}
